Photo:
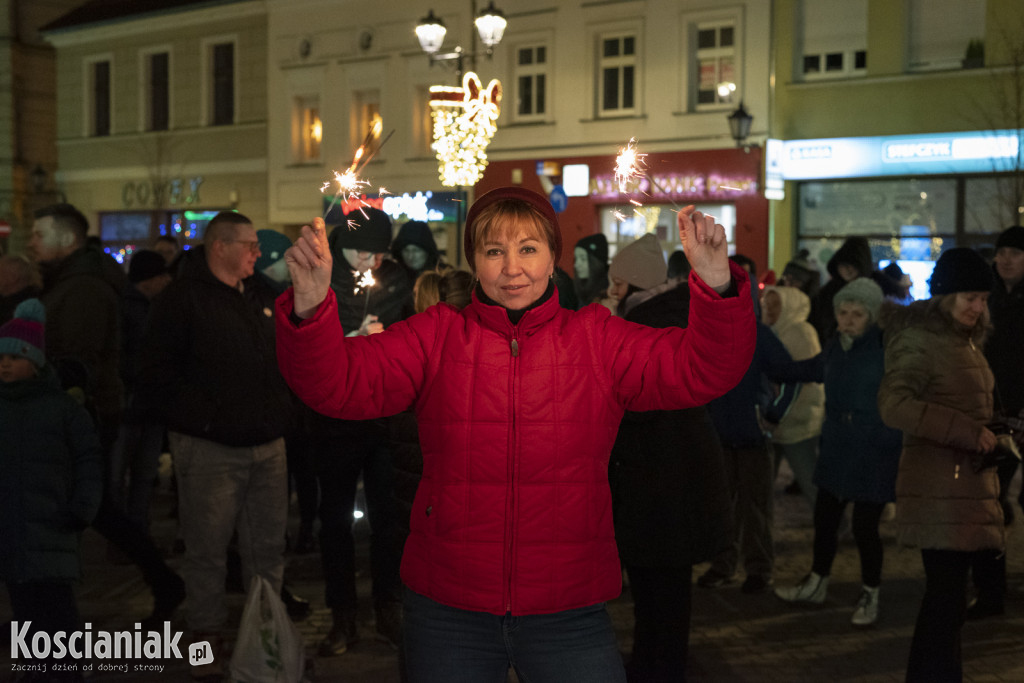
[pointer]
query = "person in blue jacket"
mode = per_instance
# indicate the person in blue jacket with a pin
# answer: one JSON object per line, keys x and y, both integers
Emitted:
{"x": 859, "y": 454}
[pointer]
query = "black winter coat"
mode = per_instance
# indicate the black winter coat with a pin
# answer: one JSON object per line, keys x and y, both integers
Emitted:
{"x": 1005, "y": 345}
{"x": 208, "y": 365}
{"x": 51, "y": 479}
{"x": 390, "y": 298}
{"x": 667, "y": 473}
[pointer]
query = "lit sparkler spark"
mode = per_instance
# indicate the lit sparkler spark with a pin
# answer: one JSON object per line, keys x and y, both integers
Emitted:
{"x": 349, "y": 183}
{"x": 619, "y": 216}
{"x": 364, "y": 282}
{"x": 730, "y": 187}
{"x": 628, "y": 165}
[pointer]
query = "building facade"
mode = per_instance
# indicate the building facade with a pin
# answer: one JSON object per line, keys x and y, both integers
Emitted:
{"x": 898, "y": 121}
{"x": 578, "y": 81}
{"x": 162, "y": 116}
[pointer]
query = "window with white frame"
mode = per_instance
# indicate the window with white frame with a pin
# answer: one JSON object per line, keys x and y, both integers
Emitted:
{"x": 716, "y": 60}
{"x": 98, "y": 97}
{"x": 156, "y": 90}
{"x": 940, "y": 40}
{"x": 221, "y": 88}
{"x": 833, "y": 39}
{"x": 617, "y": 74}
{"x": 531, "y": 78}
{"x": 307, "y": 129}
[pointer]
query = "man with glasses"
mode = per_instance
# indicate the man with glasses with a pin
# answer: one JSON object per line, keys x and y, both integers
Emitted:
{"x": 209, "y": 368}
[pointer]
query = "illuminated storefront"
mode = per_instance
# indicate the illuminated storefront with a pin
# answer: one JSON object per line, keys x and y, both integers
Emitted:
{"x": 725, "y": 183}
{"x": 911, "y": 196}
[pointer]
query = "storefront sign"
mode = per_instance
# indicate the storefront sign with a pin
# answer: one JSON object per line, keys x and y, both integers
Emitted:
{"x": 942, "y": 153}
{"x": 679, "y": 185}
{"x": 144, "y": 193}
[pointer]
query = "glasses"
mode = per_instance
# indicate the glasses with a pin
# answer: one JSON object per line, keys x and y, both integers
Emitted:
{"x": 253, "y": 245}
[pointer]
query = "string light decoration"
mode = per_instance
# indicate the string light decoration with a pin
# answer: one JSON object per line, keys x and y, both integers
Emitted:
{"x": 465, "y": 121}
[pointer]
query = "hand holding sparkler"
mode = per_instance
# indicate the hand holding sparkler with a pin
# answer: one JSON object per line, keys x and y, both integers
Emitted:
{"x": 706, "y": 247}
{"x": 310, "y": 263}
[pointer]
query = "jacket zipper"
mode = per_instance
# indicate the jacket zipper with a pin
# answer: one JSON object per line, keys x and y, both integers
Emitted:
{"x": 513, "y": 441}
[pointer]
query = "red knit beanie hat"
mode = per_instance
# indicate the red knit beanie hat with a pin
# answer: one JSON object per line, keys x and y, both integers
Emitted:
{"x": 537, "y": 201}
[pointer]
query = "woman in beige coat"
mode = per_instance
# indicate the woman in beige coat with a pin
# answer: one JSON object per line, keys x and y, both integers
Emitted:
{"x": 937, "y": 389}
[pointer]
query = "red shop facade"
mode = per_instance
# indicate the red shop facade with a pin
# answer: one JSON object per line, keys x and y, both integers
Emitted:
{"x": 723, "y": 182}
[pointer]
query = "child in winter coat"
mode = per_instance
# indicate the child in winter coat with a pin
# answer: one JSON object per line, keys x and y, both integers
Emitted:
{"x": 859, "y": 454}
{"x": 50, "y": 479}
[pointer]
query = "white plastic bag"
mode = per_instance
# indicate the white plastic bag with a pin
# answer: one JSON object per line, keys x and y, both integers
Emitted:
{"x": 269, "y": 647}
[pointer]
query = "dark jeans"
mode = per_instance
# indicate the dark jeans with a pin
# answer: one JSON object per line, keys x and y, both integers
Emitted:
{"x": 661, "y": 622}
{"x": 828, "y": 513}
{"x": 449, "y": 645}
{"x": 340, "y": 462}
{"x": 935, "y": 648}
{"x": 299, "y": 450}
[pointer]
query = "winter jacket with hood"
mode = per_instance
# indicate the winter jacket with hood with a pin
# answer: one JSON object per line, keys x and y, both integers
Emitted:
{"x": 83, "y": 324}
{"x": 416, "y": 233}
{"x": 859, "y": 454}
{"x": 667, "y": 474}
{"x": 207, "y": 364}
{"x": 937, "y": 389}
{"x": 806, "y": 412}
{"x": 51, "y": 479}
{"x": 516, "y": 423}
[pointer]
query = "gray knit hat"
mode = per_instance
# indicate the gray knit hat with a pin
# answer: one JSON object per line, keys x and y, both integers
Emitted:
{"x": 640, "y": 263}
{"x": 864, "y": 291}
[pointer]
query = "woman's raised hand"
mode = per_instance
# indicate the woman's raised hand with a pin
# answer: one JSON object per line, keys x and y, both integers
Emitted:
{"x": 309, "y": 263}
{"x": 705, "y": 246}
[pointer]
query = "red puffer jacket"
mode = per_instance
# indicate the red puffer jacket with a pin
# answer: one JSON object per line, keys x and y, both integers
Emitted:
{"x": 513, "y": 513}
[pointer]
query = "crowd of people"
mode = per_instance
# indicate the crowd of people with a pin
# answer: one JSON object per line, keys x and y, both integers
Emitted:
{"x": 515, "y": 444}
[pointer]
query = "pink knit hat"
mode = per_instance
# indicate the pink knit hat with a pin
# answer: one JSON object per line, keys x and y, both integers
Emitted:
{"x": 535, "y": 200}
{"x": 22, "y": 335}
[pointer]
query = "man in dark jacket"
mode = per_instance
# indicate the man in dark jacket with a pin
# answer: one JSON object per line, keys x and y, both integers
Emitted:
{"x": 209, "y": 369}
{"x": 749, "y": 464}
{"x": 83, "y": 339}
{"x": 1003, "y": 352}
{"x": 851, "y": 261}
{"x": 345, "y": 450}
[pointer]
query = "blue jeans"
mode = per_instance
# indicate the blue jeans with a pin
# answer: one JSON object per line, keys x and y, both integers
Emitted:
{"x": 450, "y": 645}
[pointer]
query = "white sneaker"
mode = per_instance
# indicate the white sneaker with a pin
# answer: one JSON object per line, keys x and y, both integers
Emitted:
{"x": 866, "y": 613}
{"x": 811, "y": 590}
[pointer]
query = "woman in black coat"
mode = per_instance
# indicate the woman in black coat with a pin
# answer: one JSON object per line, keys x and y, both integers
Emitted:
{"x": 670, "y": 504}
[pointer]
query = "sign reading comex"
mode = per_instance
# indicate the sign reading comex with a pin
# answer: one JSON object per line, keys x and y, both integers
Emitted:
{"x": 41, "y": 652}
{"x": 967, "y": 152}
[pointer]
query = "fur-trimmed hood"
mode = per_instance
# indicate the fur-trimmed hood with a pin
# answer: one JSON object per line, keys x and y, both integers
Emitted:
{"x": 930, "y": 314}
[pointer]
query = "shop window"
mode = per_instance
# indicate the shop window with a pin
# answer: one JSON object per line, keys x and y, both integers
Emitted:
{"x": 623, "y": 225}
{"x": 833, "y": 39}
{"x": 221, "y": 88}
{"x": 715, "y": 59}
{"x": 307, "y": 129}
{"x": 617, "y": 74}
{"x": 99, "y": 97}
{"x": 156, "y": 92}
{"x": 939, "y": 39}
{"x": 531, "y": 76}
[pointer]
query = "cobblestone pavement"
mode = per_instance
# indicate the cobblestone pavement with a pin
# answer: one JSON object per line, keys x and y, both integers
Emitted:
{"x": 735, "y": 637}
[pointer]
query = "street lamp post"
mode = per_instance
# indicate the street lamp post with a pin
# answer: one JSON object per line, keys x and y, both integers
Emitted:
{"x": 490, "y": 27}
{"x": 739, "y": 124}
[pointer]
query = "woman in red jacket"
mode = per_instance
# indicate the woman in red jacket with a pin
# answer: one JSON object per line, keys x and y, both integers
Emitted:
{"x": 511, "y": 553}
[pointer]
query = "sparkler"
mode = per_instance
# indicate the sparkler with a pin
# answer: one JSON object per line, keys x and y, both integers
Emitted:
{"x": 631, "y": 165}
{"x": 349, "y": 183}
{"x": 365, "y": 282}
